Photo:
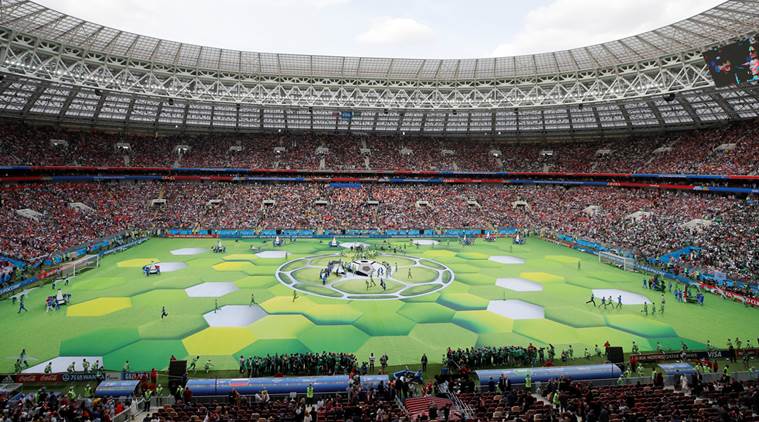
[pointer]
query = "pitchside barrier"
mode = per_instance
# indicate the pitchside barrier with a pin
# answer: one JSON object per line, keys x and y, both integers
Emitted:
{"x": 286, "y": 385}
{"x": 544, "y": 374}
{"x": 397, "y": 173}
{"x": 117, "y": 389}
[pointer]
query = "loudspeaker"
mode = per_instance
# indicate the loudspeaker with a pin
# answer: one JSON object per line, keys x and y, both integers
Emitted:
{"x": 177, "y": 373}
{"x": 615, "y": 354}
{"x": 177, "y": 368}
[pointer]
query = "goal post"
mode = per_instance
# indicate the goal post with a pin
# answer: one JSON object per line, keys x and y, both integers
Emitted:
{"x": 84, "y": 263}
{"x": 626, "y": 263}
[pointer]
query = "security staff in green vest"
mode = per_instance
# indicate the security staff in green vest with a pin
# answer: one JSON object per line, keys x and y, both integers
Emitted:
{"x": 528, "y": 382}
{"x": 71, "y": 394}
{"x": 310, "y": 394}
{"x": 88, "y": 391}
{"x": 180, "y": 392}
{"x": 147, "y": 395}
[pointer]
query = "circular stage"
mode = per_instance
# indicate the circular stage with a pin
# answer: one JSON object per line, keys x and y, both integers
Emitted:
{"x": 403, "y": 277}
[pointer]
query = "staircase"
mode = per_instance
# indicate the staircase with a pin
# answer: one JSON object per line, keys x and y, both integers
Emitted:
{"x": 417, "y": 406}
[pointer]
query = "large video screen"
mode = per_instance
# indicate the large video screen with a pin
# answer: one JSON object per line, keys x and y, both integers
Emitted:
{"x": 735, "y": 63}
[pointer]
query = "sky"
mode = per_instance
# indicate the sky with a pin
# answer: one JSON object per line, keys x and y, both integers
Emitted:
{"x": 387, "y": 28}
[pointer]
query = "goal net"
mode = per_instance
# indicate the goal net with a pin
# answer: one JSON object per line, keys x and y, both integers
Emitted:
{"x": 84, "y": 263}
{"x": 628, "y": 264}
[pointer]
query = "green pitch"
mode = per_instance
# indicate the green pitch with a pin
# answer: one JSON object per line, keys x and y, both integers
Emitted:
{"x": 436, "y": 297}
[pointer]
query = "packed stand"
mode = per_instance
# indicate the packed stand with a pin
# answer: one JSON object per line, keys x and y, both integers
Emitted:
{"x": 696, "y": 151}
{"x": 359, "y": 403}
{"x": 51, "y": 406}
{"x": 645, "y": 223}
{"x": 691, "y": 399}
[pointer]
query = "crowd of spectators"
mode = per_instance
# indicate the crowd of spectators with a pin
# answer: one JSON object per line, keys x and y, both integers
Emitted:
{"x": 110, "y": 209}
{"x": 360, "y": 403}
{"x": 645, "y": 223}
{"x": 500, "y": 357}
{"x": 7, "y": 272}
{"x": 558, "y": 400}
{"x": 696, "y": 151}
{"x": 298, "y": 364}
{"x": 51, "y": 406}
{"x": 723, "y": 400}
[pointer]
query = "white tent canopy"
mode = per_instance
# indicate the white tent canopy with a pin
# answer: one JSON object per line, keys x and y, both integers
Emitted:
{"x": 638, "y": 215}
{"x": 697, "y": 224}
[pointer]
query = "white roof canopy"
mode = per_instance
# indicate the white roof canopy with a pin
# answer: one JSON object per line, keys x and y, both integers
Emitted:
{"x": 730, "y": 19}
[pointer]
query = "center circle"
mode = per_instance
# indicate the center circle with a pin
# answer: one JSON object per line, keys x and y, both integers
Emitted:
{"x": 384, "y": 276}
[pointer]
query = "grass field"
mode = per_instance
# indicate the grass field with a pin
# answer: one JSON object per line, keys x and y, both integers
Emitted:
{"x": 456, "y": 297}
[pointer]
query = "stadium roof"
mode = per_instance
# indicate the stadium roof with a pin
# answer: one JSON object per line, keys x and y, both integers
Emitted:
{"x": 734, "y": 18}
{"x": 55, "y": 67}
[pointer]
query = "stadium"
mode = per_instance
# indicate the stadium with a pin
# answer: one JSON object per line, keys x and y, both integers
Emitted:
{"x": 198, "y": 233}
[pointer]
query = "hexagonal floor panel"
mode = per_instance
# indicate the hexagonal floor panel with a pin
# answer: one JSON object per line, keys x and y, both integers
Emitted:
{"x": 516, "y": 309}
{"x": 425, "y": 242}
{"x": 519, "y": 285}
{"x": 188, "y": 251}
{"x": 61, "y": 364}
{"x": 234, "y": 316}
{"x": 628, "y": 298}
{"x": 272, "y": 254}
{"x": 212, "y": 289}
{"x": 170, "y": 267}
{"x": 486, "y": 294}
{"x": 508, "y": 260}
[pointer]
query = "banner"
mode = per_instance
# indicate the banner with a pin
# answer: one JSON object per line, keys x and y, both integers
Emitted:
{"x": 730, "y": 295}
{"x": 37, "y": 378}
{"x": 132, "y": 376}
{"x": 60, "y": 378}
{"x": 693, "y": 355}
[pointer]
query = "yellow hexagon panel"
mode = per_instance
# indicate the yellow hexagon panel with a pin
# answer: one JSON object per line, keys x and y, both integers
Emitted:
{"x": 99, "y": 307}
{"x": 136, "y": 263}
{"x": 218, "y": 341}
{"x": 234, "y": 266}
{"x": 542, "y": 277}
{"x": 241, "y": 257}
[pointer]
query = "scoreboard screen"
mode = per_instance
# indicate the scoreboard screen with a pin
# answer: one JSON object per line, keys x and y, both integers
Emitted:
{"x": 734, "y": 64}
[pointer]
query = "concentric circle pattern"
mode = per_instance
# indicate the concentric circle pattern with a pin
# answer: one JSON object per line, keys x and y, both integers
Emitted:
{"x": 403, "y": 277}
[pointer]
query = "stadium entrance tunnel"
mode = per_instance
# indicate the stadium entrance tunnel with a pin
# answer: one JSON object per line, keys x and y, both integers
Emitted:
{"x": 378, "y": 277}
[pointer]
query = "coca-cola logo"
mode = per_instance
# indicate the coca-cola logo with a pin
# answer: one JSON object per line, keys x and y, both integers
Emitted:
{"x": 38, "y": 378}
